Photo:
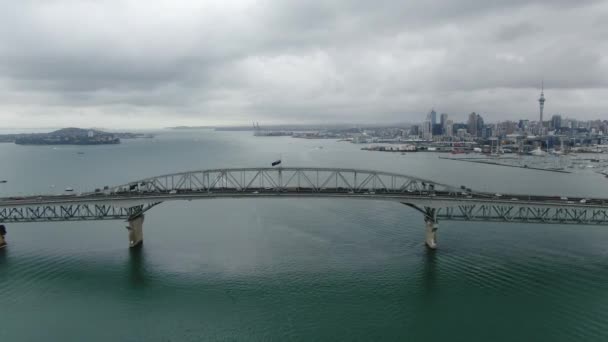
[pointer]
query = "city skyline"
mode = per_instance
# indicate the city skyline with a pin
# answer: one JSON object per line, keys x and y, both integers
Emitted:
{"x": 167, "y": 63}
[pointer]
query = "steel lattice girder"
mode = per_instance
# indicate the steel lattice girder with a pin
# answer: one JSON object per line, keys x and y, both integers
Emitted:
{"x": 311, "y": 179}
{"x": 70, "y": 212}
{"x": 525, "y": 214}
{"x": 447, "y": 202}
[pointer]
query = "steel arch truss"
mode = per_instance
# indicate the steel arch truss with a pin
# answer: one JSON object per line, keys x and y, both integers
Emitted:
{"x": 70, "y": 212}
{"x": 283, "y": 179}
{"x": 435, "y": 200}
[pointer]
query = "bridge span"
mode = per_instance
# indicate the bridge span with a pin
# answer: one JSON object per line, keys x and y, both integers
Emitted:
{"x": 436, "y": 201}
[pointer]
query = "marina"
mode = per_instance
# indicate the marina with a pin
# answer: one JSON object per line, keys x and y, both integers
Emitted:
{"x": 494, "y": 162}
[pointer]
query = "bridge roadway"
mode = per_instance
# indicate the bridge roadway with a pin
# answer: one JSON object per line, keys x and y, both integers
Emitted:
{"x": 434, "y": 200}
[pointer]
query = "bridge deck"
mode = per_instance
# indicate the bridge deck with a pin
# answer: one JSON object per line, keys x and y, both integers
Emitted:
{"x": 379, "y": 194}
{"x": 451, "y": 203}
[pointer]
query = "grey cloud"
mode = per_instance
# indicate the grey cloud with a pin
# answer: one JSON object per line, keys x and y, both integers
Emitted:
{"x": 515, "y": 31}
{"x": 359, "y": 61}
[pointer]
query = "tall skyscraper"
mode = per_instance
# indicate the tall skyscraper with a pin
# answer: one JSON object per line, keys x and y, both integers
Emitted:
{"x": 433, "y": 116}
{"x": 556, "y": 121}
{"x": 480, "y": 126}
{"x": 472, "y": 124}
{"x": 427, "y": 126}
{"x": 541, "y": 101}
{"x": 442, "y": 120}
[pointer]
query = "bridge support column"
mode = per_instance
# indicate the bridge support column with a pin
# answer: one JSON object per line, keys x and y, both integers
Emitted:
{"x": 2, "y": 233}
{"x": 136, "y": 231}
{"x": 430, "y": 220}
{"x": 431, "y": 234}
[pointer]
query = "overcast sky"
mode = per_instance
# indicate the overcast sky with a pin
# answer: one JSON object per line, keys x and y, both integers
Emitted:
{"x": 156, "y": 63}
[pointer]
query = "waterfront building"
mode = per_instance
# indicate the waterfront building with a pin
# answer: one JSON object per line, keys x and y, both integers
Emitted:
{"x": 458, "y": 125}
{"x": 461, "y": 133}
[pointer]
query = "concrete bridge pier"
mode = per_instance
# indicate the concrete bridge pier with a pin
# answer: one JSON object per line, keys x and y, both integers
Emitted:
{"x": 431, "y": 223}
{"x": 2, "y": 233}
{"x": 430, "y": 220}
{"x": 431, "y": 233}
{"x": 136, "y": 230}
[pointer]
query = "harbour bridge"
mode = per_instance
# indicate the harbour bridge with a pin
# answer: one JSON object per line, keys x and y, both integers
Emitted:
{"x": 435, "y": 201}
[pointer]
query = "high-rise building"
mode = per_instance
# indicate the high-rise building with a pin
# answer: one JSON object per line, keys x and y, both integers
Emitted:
{"x": 433, "y": 116}
{"x": 556, "y": 121}
{"x": 487, "y": 131}
{"x": 510, "y": 127}
{"x": 449, "y": 131}
{"x": 437, "y": 129}
{"x": 427, "y": 126}
{"x": 472, "y": 124}
{"x": 480, "y": 126}
{"x": 442, "y": 120}
{"x": 414, "y": 130}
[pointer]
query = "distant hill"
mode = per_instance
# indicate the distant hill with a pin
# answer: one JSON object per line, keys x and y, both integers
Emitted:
{"x": 192, "y": 127}
{"x": 71, "y": 136}
{"x": 75, "y": 132}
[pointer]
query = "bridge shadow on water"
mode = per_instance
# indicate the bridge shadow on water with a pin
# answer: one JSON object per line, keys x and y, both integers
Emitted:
{"x": 136, "y": 268}
{"x": 72, "y": 272}
{"x": 3, "y": 256}
{"x": 426, "y": 300}
{"x": 429, "y": 272}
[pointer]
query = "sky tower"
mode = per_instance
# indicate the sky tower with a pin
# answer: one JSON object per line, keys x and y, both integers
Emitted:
{"x": 541, "y": 101}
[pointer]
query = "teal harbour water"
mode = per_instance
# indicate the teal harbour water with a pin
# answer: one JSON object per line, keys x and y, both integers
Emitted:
{"x": 293, "y": 269}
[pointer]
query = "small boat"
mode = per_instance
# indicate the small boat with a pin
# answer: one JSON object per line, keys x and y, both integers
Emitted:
{"x": 3, "y": 181}
{"x": 79, "y": 152}
{"x": 68, "y": 189}
{"x": 538, "y": 152}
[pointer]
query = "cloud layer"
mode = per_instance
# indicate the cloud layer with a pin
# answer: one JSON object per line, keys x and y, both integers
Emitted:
{"x": 155, "y": 63}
